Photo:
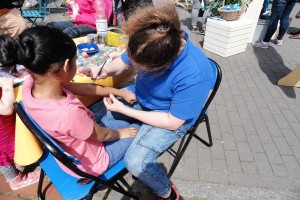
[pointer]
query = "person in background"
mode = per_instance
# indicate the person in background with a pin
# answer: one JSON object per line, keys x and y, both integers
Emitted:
{"x": 82, "y": 18}
{"x": 173, "y": 78}
{"x": 194, "y": 15}
{"x": 11, "y": 21}
{"x": 296, "y": 35}
{"x": 281, "y": 10}
{"x": 14, "y": 177}
{"x": 264, "y": 10}
{"x": 50, "y": 57}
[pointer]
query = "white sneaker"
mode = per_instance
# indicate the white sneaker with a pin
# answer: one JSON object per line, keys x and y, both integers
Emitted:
{"x": 261, "y": 44}
{"x": 278, "y": 42}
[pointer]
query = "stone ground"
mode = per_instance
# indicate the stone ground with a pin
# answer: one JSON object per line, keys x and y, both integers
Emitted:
{"x": 255, "y": 127}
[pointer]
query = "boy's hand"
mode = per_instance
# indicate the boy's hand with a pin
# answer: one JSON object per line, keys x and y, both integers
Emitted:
{"x": 113, "y": 104}
{"x": 92, "y": 72}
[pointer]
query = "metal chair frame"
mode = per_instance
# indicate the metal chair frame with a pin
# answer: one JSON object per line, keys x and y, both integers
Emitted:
{"x": 33, "y": 14}
{"x": 203, "y": 117}
{"x": 110, "y": 179}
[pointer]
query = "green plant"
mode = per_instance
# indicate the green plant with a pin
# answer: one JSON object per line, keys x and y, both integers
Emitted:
{"x": 214, "y": 5}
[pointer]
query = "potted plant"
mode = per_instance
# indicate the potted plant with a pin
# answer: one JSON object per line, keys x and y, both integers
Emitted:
{"x": 217, "y": 6}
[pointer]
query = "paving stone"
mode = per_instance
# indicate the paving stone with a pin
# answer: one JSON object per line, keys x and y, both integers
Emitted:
{"x": 282, "y": 146}
{"x": 273, "y": 154}
{"x": 279, "y": 170}
{"x": 249, "y": 168}
{"x": 244, "y": 151}
{"x": 262, "y": 164}
{"x": 233, "y": 161}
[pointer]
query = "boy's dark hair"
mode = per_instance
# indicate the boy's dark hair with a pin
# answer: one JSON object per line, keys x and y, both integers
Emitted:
{"x": 154, "y": 35}
{"x": 37, "y": 49}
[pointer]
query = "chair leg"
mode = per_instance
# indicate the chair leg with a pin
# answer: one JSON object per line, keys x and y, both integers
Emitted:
{"x": 209, "y": 143}
{"x": 40, "y": 186}
{"x": 179, "y": 155}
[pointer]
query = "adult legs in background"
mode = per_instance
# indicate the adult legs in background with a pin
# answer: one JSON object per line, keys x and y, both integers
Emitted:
{"x": 265, "y": 6}
{"x": 281, "y": 10}
{"x": 140, "y": 158}
{"x": 194, "y": 15}
{"x": 12, "y": 23}
{"x": 71, "y": 30}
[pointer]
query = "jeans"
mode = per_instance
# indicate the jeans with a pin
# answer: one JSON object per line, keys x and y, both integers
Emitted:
{"x": 281, "y": 10}
{"x": 115, "y": 149}
{"x": 150, "y": 142}
{"x": 265, "y": 6}
{"x": 140, "y": 158}
{"x": 71, "y": 29}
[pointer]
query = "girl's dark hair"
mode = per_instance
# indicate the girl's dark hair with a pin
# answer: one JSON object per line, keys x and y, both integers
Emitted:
{"x": 154, "y": 35}
{"x": 37, "y": 49}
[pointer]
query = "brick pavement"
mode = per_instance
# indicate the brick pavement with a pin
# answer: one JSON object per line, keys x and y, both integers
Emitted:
{"x": 255, "y": 126}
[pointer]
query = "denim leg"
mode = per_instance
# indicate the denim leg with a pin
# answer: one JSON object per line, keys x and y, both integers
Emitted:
{"x": 265, "y": 6}
{"x": 140, "y": 158}
{"x": 61, "y": 25}
{"x": 114, "y": 120}
{"x": 195, "y": 12}
{"x": 116, "y": 150}
{"x": 80, "y": 30}
{"x": 277, "y": 9}
{"x": 284, "y": 19}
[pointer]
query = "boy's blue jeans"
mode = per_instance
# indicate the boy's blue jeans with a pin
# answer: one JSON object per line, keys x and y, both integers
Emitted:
{"x": 150, "y": 142}
{"x": 281, "y": 10}
{"x": 71, "y": 29}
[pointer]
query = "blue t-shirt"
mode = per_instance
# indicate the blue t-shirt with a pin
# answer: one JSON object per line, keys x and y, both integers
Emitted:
{"x": 182, "y": 90}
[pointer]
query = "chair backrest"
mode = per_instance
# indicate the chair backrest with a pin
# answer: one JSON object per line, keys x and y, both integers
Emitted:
{"x": 214, "y": 88}
{"x": 203, "y": 117}
{"x": 68, "y": 186}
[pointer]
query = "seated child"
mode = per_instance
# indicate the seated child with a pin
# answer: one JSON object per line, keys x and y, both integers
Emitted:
{"x": 49, "y": 98}
{"x": 83, "y": 18}
{"x": 15, "y": 178}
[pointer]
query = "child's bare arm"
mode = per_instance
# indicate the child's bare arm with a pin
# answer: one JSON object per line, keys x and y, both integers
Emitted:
{"x": 105, "y": 134}
{"x": 8, "y": 96}
{"x": 92, "y": 90}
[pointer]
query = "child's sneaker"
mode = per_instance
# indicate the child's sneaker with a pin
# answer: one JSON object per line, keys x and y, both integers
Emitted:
{"x": 261, "y": 44}
{"x": 23, "y": 180}
{"x": 195, "y": 29}
{"x": 174, "y": 194}
{"x": 278, "y": 42}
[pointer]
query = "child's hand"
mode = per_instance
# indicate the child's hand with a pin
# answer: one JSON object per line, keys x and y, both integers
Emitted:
{"x": 113, "y": 104}
{"x": 129, "y": 97}
{"x": 127, "y": 132}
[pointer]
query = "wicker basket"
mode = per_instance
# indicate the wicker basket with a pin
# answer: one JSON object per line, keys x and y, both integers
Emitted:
{"x": 231, "y": 15}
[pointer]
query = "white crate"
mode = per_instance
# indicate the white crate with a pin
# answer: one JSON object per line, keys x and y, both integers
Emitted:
{"x": 226, "y": 38}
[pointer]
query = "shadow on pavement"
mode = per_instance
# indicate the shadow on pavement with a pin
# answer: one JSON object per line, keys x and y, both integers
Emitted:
{"x": 272, "y": 64}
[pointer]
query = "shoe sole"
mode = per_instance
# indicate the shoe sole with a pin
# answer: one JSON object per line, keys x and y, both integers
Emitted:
{"x": 27, "y": 184}
{"x": 260, "y": 46}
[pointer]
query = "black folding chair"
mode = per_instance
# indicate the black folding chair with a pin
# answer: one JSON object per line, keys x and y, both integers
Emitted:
{"x": 203, "y": 117}
{"x": 68, "y": 186}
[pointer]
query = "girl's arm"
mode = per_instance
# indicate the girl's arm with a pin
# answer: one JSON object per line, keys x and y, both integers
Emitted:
{"x": 103, "y": 134}
{"x": 157, "y": 119}
{"x": 92, "y": 90}
{"x": 8, "y": 96}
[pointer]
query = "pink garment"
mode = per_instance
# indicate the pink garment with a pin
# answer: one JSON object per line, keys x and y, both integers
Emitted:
{"x": 7, "y": 138}
{"x": 86, "y": 12}
{"x": 71, "y": 123}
